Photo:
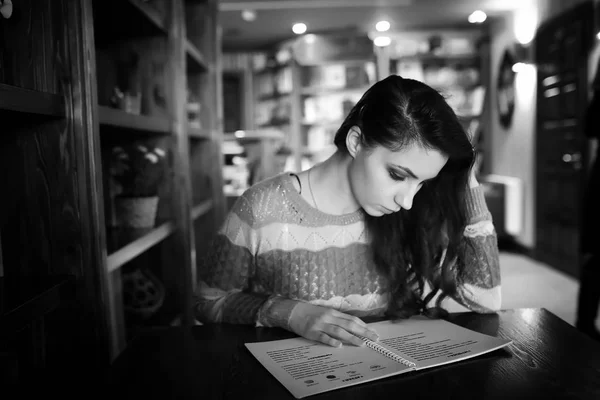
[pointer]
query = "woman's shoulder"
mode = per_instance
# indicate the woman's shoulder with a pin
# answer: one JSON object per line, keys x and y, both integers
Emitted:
{"x": 275, "y": 185}
{"x": 265, "y": 191}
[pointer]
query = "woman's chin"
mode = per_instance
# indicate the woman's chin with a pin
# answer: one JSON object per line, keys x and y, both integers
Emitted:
{"x": 375, "y": 211}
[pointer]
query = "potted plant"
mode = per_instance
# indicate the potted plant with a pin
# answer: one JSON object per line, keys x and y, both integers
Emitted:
{"x": 138, "y": 171}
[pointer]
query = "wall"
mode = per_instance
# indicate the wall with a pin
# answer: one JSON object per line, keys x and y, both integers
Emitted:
{"x": 512, "y": 150}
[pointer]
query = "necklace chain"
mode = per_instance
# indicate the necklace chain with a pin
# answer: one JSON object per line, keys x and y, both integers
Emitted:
{"x": 311, "y": 191}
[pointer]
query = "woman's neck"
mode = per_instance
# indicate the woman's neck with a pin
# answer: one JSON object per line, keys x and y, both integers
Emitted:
{"x": 330, "y": 184}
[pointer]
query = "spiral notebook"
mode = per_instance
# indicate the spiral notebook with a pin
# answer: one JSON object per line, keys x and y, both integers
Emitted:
{"x": 307, "y": 368}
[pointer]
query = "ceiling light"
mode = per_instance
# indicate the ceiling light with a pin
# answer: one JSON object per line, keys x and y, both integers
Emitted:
{"x": 299, "y": 28}
{"x": 382, "y": 26}
{"x": 248, "y": 15}
{"x": 477, "y": 17}
{"x": 518, "y": 67}
{"x": 598, "y": 35}
{"x": 382, "y": 41}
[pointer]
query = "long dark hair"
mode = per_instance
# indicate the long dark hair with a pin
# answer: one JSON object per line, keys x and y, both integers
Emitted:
{"x": 411, "y": 247}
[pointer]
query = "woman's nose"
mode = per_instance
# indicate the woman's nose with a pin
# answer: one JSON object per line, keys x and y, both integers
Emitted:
{"x": 405, "y": 199}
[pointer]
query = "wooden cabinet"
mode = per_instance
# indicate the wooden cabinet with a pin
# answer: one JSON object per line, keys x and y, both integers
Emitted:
{"x": 77, "y": 80}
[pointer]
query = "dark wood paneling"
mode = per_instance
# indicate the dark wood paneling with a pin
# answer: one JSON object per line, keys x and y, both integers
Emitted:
{"x": 30, "y": 54}
{"x": 46, "y": 207}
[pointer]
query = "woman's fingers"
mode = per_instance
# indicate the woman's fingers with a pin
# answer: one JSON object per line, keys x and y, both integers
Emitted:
{"x": 357, "y": 326}
{"x": 342, "y": 334}
{"x": 326, "y": 339}
{"x": 328, "y": 326}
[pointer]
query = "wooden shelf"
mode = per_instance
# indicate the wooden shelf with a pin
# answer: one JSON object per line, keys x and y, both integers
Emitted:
{"x": 151, "y": 14}
{"x": 320, "y": 91}
{"x": 254, "y": 136}
{"x": 199, "y": 133}
{"x": 27, "y": 101}
{"x": 276, "y": 123}
{"x": 273, "y": 96}
{"x": 201, "y": 209}
{"x": 270, "y": 69}
{"x": 132, "y": 18}
{"x": 25, "y": 300}
{"x": 195, "y": 59}
{"x": 127, "y": 253}
{"x": 141, "y": 123}
{"x": 322, "y": 123}
{"x": 441, "y": 58}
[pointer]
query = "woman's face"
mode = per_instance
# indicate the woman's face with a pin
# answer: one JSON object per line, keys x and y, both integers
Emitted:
{"x": 384, "y": 181}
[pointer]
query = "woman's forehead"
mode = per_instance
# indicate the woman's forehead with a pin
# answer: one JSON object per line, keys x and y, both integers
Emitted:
{"x": 416, "y": 158}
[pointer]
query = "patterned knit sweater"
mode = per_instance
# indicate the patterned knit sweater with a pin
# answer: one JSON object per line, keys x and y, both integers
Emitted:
{"x": 275, "y": 249}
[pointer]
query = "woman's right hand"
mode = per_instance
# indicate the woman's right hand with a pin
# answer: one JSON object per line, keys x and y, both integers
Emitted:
{"x": 328, "y": 326}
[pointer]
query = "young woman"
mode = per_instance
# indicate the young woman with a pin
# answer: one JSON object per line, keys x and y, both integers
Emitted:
{"x": 394, "y": 223}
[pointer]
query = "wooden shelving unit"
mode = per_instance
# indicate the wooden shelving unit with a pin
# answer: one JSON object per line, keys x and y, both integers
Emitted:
{"x": 201, "y": 209}
{"x": 133, "y": 249}
{"x": 63, "y": 115}
{"x": 16, "y": 99}
{"x": 150, "y": 13}
{"x": 196, "y": 133}
{"x": 180, "y": 41}
{"x": 141, "y": 123}
{"x": 27, "y": 300}
{"x": 195, "y": 59}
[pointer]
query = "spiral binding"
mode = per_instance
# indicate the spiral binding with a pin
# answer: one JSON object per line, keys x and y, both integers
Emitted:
{"x": 380, "y": 349}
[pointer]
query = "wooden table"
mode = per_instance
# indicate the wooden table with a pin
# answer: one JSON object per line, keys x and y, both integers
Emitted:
{"x": 549, "y": 359}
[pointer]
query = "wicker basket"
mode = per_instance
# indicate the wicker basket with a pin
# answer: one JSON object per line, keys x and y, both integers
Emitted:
{"x": 143, "y": 293}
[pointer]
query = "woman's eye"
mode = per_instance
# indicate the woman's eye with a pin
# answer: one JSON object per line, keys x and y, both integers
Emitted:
{"x": 396, "y": 177}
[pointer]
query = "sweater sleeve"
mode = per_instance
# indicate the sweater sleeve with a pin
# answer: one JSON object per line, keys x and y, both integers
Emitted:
{"x": 477, "y": 267}
{"x": 224, "y": 292}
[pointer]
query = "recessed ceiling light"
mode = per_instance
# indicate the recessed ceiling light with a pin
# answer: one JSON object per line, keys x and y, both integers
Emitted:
{"x": 249, "y": 15}
{"x": 477, "y": 17}
{"x": 382, "y": 26}
{"x": 382, "y": 41}
{"x": 299, "y": 28}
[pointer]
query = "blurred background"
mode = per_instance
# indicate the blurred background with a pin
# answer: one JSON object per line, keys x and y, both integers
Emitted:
{"x": 518, "y": 74}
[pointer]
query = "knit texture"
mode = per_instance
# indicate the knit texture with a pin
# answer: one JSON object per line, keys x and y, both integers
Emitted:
{"x": 275, "y": 249}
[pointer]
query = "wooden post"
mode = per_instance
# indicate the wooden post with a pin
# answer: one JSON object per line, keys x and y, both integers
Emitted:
{"x": 181, "y": 201}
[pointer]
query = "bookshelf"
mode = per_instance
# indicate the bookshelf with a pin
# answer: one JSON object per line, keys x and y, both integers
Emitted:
{"x": 306, "y": 86}
{"x": 454, "y": 62}
{"x": 183, "y": 53}
{"x": 63, "y": 115}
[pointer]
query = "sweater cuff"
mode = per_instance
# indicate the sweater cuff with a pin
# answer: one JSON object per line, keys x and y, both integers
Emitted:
{"x": 276, "y": 312}
{"x": 476, "y": 206}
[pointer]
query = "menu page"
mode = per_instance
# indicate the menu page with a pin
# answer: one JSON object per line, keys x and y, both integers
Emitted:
{"x": 432, "y": 342}
{"x": 306, "y": 368}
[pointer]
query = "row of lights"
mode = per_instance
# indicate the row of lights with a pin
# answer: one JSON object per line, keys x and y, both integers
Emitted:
{"x": 477, "y": 17}
{"x": 299, "y": 28}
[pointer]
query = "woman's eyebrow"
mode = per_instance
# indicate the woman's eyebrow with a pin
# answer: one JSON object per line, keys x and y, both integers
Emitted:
{"x": 410, "y": 173}
{"x": 406, "y": 170}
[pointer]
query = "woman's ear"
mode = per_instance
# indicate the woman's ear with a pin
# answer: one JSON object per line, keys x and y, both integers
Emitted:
{"x": 353, "y": 141}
